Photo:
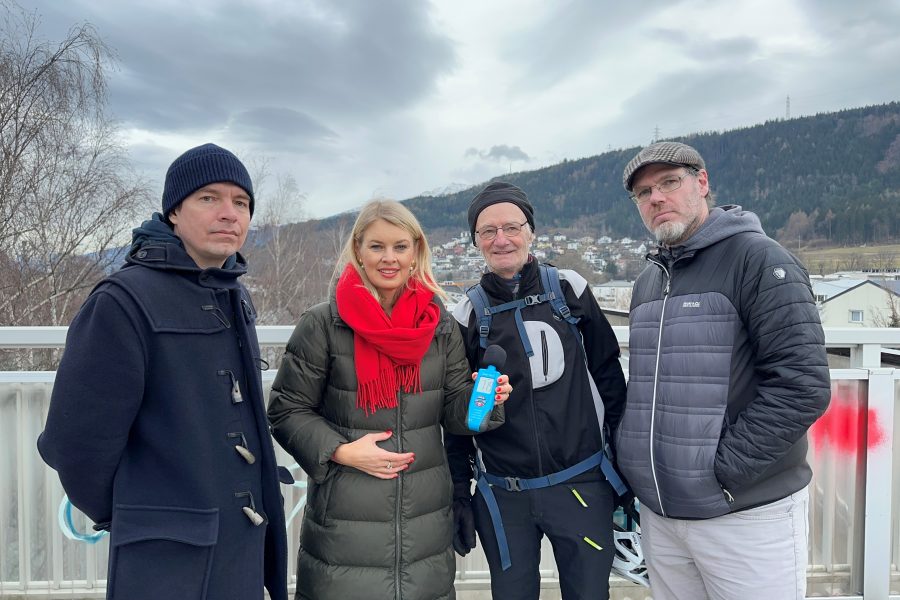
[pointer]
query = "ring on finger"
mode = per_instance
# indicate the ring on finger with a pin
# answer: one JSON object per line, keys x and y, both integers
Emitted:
{"x": 389, "y": 465}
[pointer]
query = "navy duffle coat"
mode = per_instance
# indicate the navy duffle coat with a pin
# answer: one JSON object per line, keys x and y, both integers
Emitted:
{"x": 158, "y": 386}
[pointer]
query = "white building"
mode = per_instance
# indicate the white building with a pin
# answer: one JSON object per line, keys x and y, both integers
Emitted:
{"x": 613, "y": 294}
{"x": 861, "y": 303}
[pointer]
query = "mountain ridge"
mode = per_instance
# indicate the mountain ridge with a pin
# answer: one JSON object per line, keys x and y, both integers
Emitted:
{"x": 830, "y": 176}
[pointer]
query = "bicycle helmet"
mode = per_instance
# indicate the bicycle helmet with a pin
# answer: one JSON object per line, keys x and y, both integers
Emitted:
{"x": 629, "y": 559}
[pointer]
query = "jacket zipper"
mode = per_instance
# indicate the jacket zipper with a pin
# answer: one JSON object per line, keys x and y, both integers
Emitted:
{"x": 544, "y": 354}
{"x": 397, "y": 503}
{"x": 662, "y": 315}
{"x": 534, "y": 426}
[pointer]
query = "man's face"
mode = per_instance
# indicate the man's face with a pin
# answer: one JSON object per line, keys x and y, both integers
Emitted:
{"x": 212, "y": 223}
{"x": 673, "y": 216}
{"x": 504, "y": 255}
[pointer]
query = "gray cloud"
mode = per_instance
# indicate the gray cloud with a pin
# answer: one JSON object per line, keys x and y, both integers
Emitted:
{"x": 729, "y": 50}
{"x": 153, "y": 159}
{"x": 284, "y": 128}
{"x": 198, "y": 68}
{"x": 353, "y": 96}
{"x": 852, "y": 21}
{"x": 501, "y": 152}
{"x": 573, "y": 35}
{"x": 687, "y": 101}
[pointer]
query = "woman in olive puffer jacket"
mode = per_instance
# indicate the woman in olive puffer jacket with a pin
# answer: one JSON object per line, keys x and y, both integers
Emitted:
{"x": 366, "y": 382}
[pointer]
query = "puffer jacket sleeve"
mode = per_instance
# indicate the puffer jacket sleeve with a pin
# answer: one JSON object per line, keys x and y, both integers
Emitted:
{"x": 297, "y": 394}
{"x": 791, "y": 369}
{"x": 460, "y": 448}
{"x": 90, "y": 416}
{"x": 458, "y": 387}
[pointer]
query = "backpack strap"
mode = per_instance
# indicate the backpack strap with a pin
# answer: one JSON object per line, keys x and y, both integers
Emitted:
{"x": 485, "y": 312}
{"x": 550, "y": 282}
{"x": 486, "y": 481}
{"x": 552, "y": 293}
{"x": 520, "y": 323}
{"x": 481, "y": 306}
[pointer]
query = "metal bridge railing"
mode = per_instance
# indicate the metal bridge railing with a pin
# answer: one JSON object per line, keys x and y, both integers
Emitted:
{"x": 854, "y": 508}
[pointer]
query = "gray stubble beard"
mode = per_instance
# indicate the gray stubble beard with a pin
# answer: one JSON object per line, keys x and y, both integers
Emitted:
{"x": 670, "y": 232}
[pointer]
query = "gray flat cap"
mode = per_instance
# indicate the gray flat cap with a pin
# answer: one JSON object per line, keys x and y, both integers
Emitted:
{"x": 670, "y": 153}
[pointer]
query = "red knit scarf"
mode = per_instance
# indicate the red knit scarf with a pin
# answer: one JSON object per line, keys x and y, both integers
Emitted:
{"x": 388, "y": 350}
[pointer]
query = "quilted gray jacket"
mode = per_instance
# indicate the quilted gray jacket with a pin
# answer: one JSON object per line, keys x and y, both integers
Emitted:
{"x": 727, "y": 371}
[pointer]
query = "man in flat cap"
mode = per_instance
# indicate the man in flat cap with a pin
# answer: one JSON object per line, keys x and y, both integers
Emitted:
{"x": 157, "y": 426}
{"x": 544, "y": 473}
{"x": 727, "y": 372}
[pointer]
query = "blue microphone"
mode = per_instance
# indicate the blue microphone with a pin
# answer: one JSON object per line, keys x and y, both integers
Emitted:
{"x": 481, "y": 402}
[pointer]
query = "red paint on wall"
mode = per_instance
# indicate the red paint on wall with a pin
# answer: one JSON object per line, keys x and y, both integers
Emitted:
{"x": 843, "y": 426}
{"x": 839, "y": 428}
{"x": 876, "y": 433}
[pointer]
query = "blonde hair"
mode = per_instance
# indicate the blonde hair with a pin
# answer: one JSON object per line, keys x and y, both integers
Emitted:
{"x": 398, "y": 215}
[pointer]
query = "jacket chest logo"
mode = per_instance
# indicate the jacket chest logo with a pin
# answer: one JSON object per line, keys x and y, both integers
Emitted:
{"x": 691, "y": 304}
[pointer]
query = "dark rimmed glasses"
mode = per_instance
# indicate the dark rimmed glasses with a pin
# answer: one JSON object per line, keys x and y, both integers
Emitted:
{"x": 666, "y": 186}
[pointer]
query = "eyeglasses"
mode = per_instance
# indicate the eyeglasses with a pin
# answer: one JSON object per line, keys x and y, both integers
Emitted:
{"x": 669, "y": 184}
{"x": 509, "y": 230}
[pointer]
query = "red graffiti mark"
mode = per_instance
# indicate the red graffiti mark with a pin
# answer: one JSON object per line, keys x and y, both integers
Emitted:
{"x": 843, "y": 426}
{"x": 839, "y": 427}
{"x": 876, "y": 433}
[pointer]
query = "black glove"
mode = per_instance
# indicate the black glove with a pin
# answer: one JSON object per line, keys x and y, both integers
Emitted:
{"x": 463, "y": 526}
{"x": 626, "y": 501}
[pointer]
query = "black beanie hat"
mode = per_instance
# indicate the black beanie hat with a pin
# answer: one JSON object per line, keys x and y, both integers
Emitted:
{"x": 495, "y": 193}
{"x": 201, "y": 166}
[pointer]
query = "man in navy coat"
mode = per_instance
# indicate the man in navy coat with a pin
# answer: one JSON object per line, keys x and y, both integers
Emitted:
{"x": 157, "y": 426}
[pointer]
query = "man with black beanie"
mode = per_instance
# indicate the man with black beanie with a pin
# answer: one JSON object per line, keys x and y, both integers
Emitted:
{"x": 544, "y": 473}
{"x": 157, "y": 426}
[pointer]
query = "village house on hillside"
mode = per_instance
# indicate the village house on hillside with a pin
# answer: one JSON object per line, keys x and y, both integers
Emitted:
{"x": 458, "y": 260}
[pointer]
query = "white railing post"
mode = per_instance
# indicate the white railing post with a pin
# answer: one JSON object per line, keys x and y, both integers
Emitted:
{"x": 879, "y": 474}
{"x": 865, "y": 356}
{"x": 25, "y": 500}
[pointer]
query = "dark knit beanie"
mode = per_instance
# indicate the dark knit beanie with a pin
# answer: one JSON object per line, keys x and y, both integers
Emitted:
{"x": 495, "y": 193}
{"x": 201, "y": 166}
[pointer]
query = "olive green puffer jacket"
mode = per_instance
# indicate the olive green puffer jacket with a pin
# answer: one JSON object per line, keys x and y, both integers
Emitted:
{"x": 364, "y": 537}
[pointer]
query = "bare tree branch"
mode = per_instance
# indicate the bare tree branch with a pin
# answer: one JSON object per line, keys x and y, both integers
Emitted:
{"x": 66, "y": 192}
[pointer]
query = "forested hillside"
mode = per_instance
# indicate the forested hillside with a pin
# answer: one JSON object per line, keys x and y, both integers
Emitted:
{"x": 838, "y": 174}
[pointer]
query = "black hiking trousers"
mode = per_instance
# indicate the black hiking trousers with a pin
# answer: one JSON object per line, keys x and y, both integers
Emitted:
{"x": 558, "y": 513}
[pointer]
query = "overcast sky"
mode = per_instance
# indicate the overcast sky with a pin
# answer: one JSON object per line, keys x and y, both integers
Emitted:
{"x": 363, "y": 98}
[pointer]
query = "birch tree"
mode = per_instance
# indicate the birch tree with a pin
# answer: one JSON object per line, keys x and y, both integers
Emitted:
{"x": 66, "y": 195}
